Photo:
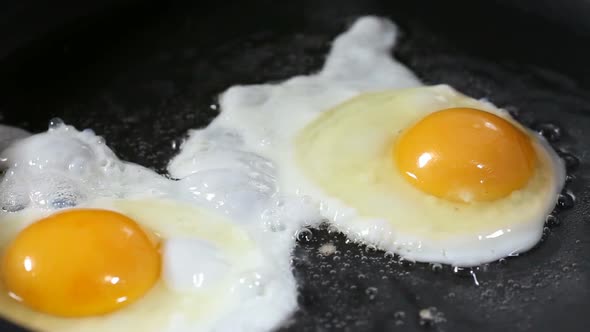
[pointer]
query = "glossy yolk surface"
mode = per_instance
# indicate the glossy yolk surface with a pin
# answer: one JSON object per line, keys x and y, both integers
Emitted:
{"x": 80, "y": 262}
{"x": 464, "y": 155}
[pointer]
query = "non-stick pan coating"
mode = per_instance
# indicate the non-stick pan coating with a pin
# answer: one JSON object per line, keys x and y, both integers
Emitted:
{"x": 143, "y": 77}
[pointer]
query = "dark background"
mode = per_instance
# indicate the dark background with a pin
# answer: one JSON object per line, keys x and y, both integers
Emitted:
{"x": 143, "y": 73}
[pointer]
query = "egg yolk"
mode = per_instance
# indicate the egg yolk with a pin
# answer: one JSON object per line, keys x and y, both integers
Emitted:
{"x": 80, "y": 262}
{"x": 465, "y": 155}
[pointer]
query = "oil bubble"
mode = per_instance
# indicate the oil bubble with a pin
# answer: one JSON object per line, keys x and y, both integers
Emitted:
{"x": 550, "y": 131}
{"x": 571, "y": 161}
{"x": 566, "y": 200}
{"x": 55, "y": 123}
{"x": 371, "y": 292}
{"x": 371, "y": 248}
{"x": 552, "y": 220}
{"x": 304, "y": 235}
{"x": 430, "y": 316}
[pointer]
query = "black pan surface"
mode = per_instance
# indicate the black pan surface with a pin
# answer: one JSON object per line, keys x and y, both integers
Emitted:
{"x": 143, "y": 75}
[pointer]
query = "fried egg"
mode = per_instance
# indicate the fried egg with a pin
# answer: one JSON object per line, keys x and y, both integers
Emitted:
{"x": 359, "y": 138}
{"x": 92, "y": 243}
{"x": 432, "y": 175}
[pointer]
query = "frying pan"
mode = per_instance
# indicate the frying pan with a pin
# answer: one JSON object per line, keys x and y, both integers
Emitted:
{"x": 142, "y": 74}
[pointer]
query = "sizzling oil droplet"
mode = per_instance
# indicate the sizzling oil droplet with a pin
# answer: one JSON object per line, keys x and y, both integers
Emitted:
{"x": 512, "y": 110}
{"x": 545, "y": 234}
{"x": 465, "y": 273}
{"x": 566, "y": 200}
{"x": 550, "y": 131}
{"x": 571, "y": 161}
{"x": 552, "y": 220}
{"x": 436, "y": 267}
{"x": 407, "y": 263}
{"x": 304, "y": 235}
{"x": 371, "y": 248}
{"x": 399, "y": 317}
{"x": 371, "y": 292}
{"x": 430, "y": 316}
{"x": 55, "y": 123}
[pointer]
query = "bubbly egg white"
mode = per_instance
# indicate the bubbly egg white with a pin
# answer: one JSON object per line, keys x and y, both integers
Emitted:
{"x": 263, "y": 121}
{"x": 253, "y": 134}
{"x": 224, "y": 268}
